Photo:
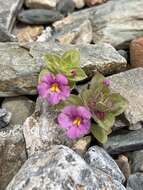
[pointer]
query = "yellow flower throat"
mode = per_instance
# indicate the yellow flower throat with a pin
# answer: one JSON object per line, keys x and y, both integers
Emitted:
{"x": 54, "y": 87}
{"x": 77, "y": 121}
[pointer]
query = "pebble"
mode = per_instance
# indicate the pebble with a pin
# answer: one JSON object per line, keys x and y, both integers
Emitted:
{"x": 135, "y": 181}
{"x": 65, "y": 6}
{"x": 39, "y": 16}
{"x": 79, "y": 3}
{"x": 20, "y": 108}
{"x": 91, "y": 3}
{"x": 46, "y": 35}
{"x": 45, "y": 4}
{"x": 5, "y": 117}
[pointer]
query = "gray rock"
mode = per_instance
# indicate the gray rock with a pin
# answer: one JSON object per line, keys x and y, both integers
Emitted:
{"x": 60, "y": 169}
{"x": 39, "y": 16}
{"x": 136, "y": 159}
{"x": 46, "y": 35}
{"x": 12, "y": 153}
{"x": 20, "y": 107}
{"x": 124, "y": 141}
{"x": 111, "y": 22}
{"x": 123, "y": 53}
{"x": 135, "y": 181}
{"x": 5, "y": 118}
{"x": 19, "y": 72}
{"x": 130, "y": 81}
{"x": 45, "y": 4}
{"x": 98, "y": 158}
{"x": 65, "y": 6}
{"x": 5, "y": 36}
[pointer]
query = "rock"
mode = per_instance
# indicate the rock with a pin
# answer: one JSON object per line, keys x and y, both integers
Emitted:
{"x": 98, "y": 158}
{"x": 60, "y": 169}
{"x": 12, "y": 153}
{"x": 102, "y": 57}
{"x": 19, "y": 71}
{"x": 20, "y": 107}
{"x": 123, "y": 53}
{"x": 29, "y": 33}
{"x": 81, "y": 34}
{"x": 41, "y": 130}
{"x": 79, "y": 3}
{"x": 65, "y": 6}
{"x": 39, "y": 16}
{"x": 44, "y": 4}
{"x": 132, "y": 82}
{"x": 46, "y": 35}
{"x": 120, "y": 122}
{"x": 5, "y": 36}
{"x": 5, "y": 118}
{"x": 137, "y": 161}
{"x": 124, "y": 141}
{"x": 135, "y": 181}
{"x": 8, "y": 12}
{"x": 94, "y": 2}
{"x": 124, "y": 165}
{"x": 82, "y": 145}
{"x": 136, "y": 52}
{"x": 111, "y": 22}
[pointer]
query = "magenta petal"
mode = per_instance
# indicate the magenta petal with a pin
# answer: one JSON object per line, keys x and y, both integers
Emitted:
{"x": 61, "y": 79}
{"x": 48, "y": 78}
{"x": 85, "y": 127}
{"x": 65, "y": 92}
{"x": 83, "y": 112}
{"x": 53, "y": 98}
{"x": 42, "y": 90}
{"x": 70, "y": 110}
{"x": 73, "y": 133}
{"x": 64, "y": 121}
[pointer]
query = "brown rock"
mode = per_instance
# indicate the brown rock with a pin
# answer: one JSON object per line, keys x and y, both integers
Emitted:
{"x": 124, "y": 166}
{"x": 94, "y": 2}
{"x": 46, "y": 4}
{"x": 29, "y": 33}
{"x": 136, "y": 52}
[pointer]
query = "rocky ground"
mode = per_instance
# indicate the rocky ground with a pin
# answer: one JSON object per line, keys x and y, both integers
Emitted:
{"x": 34, "y": 152}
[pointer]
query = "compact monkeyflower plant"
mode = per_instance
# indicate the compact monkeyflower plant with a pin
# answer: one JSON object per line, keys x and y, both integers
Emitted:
{"x": 92, "y": 111}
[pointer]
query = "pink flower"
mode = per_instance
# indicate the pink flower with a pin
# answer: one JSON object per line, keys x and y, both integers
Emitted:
{"x": 76, "y": 119}
{"x": 54, "y": 88}
{"x": 106, "y": 82}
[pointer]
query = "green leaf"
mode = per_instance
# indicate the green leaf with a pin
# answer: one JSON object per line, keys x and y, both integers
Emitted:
{"x": 96, "y": 80}
{"x": 99, "y": 133}
{"x": 107, "y": 123}
{"x": 71, "y": 58}
{"x": 42, "y": 73}
{"x": 119, "y": 104}
{"x": 79, "y": 75}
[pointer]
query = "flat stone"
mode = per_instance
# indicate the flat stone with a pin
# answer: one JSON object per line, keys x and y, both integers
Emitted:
{"x": 12, "y": 153}
{"x": 77, "y": 34}
{"x": 60, "y": 169}
{"x": 45, "y": 4}
{"x": 135, "y": 181}
{"x": 136, "y": 52}
{"x": 39, "y": 16}
{"x": 130, "y": 81}
{"x": 98, "y": 158}
{"x": 136, "y": 159}
{"x": 29, "y": 33}
{"x": 65, "y": 6}
{"x": 111, "y": 22}
{"x": 124, "y": 141}
{"x": 20, "y": 66}
{"x": 20, "y": 108}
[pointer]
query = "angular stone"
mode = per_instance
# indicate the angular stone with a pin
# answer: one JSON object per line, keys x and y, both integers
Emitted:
{"x": 46, "y": 35}
{"x": 65, "y": 6}
{"x": 41, "y": 130}
{"x": 98, "y": 158}
{"x": 5, "y": 36}
{"x": 79, "y": 3}
{"x": 12, "y": 153}
{"x": 29, "y": 33}
{"x": 135, "y": 181}
{"x": 124, "y": 141}
{"x": 39, "y": 16}
{"x": 77, "y": 34}
{"x": 45, "y": 4}
{"x": 94, "y": 2}
{"x": 111, "y": 22}
{"x": 20, "y": 107}
{"x": 5, "y": 118}
{"x": 130, "y": 81}
{"x": 136, "y": 159}
{"x": 102, "y": 57}
{"x": 136, "y": 52}
{"x": 60, "y": 169}
{"x": 19, "y": 71}
{"x": 124, "y": 165}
